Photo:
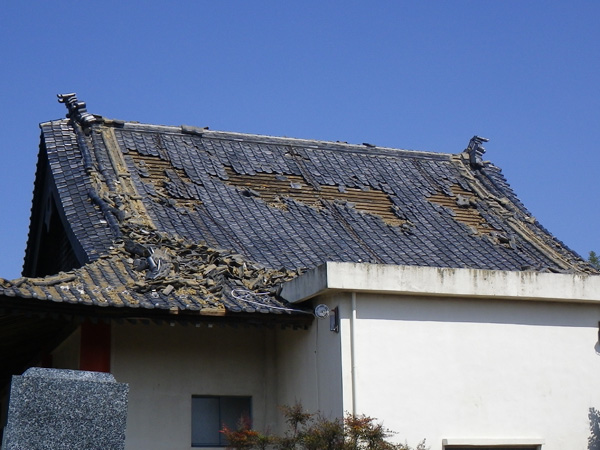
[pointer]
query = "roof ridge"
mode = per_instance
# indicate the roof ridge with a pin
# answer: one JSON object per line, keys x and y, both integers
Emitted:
{"x": 264, "y": 138}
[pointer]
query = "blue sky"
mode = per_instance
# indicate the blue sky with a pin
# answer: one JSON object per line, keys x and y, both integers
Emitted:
{"x": 424, "y": 75}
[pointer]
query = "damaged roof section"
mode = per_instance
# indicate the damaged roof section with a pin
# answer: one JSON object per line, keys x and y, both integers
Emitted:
{"x": 295, "y": 203}
{"x": 298, "y": 203}
{"x": 148, "y": 210}
{"x": 151, "y": 270}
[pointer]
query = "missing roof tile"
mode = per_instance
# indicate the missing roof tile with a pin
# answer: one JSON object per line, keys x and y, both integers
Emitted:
{"x": 274, "y": 187}
{"x": 169, "y": 183}
{"x": 463, "y": 206}
{"x": 175, "y": 187}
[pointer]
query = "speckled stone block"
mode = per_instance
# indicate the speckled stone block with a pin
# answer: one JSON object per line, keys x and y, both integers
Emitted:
{"x": 66, "y": 409}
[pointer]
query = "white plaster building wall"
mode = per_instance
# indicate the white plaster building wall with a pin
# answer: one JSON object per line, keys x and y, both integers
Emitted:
{"x": 165, "y": 366}
{"x": 467, "y": 369}
{"x": 309, "y": 368}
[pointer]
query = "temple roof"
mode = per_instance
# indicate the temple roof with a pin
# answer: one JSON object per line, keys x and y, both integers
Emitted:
{"x": 180, "y": 218}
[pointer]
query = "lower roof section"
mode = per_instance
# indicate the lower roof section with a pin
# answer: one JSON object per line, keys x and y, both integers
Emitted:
{"x": 442, "y": 282}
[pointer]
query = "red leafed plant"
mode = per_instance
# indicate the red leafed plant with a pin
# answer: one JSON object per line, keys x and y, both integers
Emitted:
{"x": 313, "y": 431}
{"x": 244, "y": 437}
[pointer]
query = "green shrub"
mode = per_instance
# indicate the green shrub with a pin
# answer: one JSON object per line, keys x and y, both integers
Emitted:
{"x": 313, "y": 431}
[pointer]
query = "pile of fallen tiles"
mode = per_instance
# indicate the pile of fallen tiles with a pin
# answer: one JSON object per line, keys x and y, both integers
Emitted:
{"x": 155, "y": 270}
{"x": 171, "y": 262}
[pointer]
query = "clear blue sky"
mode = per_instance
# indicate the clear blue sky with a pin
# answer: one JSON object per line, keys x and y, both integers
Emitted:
{"x": 423, "y": 75}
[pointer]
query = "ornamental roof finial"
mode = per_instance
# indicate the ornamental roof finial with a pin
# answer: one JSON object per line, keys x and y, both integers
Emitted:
{"x": 77, "y": 110}
{"x": 476, "y": 150}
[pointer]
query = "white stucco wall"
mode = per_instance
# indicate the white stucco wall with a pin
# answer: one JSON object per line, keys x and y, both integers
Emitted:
{"x": 166, "y": 365}
{"x": 449, "y": 368}
{"x": 494, "y": 357}
{"x": 308, "y": 368}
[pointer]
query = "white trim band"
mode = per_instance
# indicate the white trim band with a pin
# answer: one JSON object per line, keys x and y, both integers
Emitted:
{"x": 444, "y": 282}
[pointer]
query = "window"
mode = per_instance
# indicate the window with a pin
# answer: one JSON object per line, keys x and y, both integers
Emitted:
{"x": 210, "y": 413}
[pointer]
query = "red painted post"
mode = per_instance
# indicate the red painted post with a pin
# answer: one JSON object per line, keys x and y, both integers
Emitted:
{"x": 95, "y": 347}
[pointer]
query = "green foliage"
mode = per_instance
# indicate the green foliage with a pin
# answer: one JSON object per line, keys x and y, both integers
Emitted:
{"x": 313, "y": 431}
{"x": 594, "y": 260}
{"x": 363, "y": 432}
{"x": 323, "y": 434}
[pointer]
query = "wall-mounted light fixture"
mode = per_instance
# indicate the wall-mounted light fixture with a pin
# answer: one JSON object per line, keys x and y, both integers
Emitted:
{"x": 321, "y": 311}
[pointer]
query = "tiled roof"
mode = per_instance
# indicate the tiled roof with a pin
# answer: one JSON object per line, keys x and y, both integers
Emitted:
{"x": 183, "y": 277}
{"x": 296, "y": 203}
{"x": 280, "y": 204}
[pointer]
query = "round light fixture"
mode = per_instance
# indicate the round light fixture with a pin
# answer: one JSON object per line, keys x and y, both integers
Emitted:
{"x": 321, "y": 311}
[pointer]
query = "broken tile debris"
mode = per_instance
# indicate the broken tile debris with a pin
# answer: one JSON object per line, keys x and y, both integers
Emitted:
{"x": 154, "y": 270}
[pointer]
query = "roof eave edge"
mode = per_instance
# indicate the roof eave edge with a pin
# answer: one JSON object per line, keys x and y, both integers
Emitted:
{"x": 442, "y": 282}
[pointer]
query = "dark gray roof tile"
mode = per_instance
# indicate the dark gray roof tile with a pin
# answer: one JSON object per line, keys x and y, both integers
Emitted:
{"x": 187, "y": 187}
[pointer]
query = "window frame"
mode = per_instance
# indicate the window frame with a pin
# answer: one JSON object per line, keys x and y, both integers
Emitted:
{"x": 221, "y": 407}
